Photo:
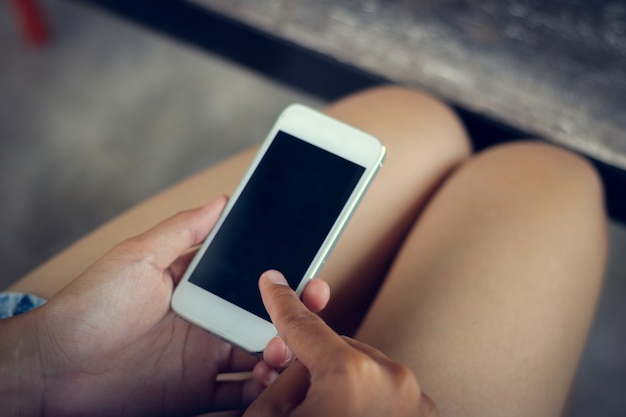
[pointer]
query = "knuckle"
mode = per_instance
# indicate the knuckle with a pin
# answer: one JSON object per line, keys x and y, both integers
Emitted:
{"x": 132, "y": 251}
{"x": 294, "y": 315}
{"x": 405, "y": 383}
{"x": 131, "y": 247}
{"x": 297, "y": 321}
{"x": 354, "y": 366}
{"x": 402, "y": 372}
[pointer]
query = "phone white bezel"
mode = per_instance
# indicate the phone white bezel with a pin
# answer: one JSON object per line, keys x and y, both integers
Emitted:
{"x": 235, "y": 324}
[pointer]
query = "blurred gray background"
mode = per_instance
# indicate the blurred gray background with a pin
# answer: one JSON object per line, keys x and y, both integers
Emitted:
{"x": 108, "y": 114}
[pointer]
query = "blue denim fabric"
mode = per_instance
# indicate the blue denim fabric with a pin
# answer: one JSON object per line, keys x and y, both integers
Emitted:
{"x": 12, "y": 303}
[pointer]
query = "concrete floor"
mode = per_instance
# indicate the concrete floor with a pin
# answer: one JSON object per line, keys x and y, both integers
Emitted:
{"x": 108, "y": 114}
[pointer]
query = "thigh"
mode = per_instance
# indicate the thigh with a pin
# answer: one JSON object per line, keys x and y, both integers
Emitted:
{"x": 491, "y": 297}
{"x": 424, "y": 141}
{"x": 57, "y": 272}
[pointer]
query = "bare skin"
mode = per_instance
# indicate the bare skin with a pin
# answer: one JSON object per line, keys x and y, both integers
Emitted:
{"x": 334, "y": 376}
{"x": 480, "y": 273}
{"x": 109, "y": 344}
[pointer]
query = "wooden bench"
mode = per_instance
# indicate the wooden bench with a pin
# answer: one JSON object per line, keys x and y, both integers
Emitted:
{"x": 510, "y": 68}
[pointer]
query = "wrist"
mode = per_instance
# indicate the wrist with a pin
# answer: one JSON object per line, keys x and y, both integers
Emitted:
{"x": 22, "y": 386}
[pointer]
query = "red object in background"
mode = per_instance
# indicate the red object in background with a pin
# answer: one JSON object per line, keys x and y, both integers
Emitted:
{"x": 34, "y": 27}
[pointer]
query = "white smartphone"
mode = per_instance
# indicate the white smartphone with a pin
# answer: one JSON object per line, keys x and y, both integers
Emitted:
{"x": 286, "y": 214}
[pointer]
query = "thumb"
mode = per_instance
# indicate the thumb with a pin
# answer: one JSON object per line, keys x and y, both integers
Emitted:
{"x": 165, "y": 242}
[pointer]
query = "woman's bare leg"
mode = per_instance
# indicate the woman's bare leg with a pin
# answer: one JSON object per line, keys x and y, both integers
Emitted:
{"x": 492, "y": 295}
{"x": 425, "y": 142}
{"x": 53, "y": 275}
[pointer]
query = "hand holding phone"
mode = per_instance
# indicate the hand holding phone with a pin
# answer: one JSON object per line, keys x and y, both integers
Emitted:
{"x": 334, "y": 376}
{"x": 286, "y": 214}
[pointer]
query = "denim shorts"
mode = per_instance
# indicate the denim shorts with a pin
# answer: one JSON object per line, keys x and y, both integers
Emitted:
{"x": 14, "y": 303}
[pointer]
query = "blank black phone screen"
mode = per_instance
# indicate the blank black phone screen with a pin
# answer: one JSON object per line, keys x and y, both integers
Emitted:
{"x": 280, "y": 220}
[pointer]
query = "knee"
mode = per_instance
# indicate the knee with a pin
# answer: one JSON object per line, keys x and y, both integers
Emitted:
{"x": 544, "y": 168}
{"x": 407, "y": 121}
{"x": 545, "y": 182}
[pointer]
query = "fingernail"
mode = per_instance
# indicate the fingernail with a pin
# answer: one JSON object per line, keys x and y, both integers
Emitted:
{"x": 271, "y": 377}
{"x": 276, "y": 277}
{"x": 288, "y": 356}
